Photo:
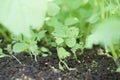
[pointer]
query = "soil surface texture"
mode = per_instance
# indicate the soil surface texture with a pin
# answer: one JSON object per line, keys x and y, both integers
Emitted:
{"x": 90, "y": 66}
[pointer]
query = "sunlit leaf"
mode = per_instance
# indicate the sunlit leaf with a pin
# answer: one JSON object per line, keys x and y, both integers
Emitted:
{"x": 105, "y": 33}
{"x": 53, "y": 9}
{"x": 19, "y": 47}
{"x": 70, "y": 42}
{"x": 72, "y": 32}
{"x": 60, "y": 32}
{"x": 59, "y": 40}
{"x": 41, "y": 34}
{"x": 71, "y": 21}
{"x": 19, "y": 15}
{"x": 62, "y": 53}
{"x": 1, "y": 52}
{"x": 54, "y": 23}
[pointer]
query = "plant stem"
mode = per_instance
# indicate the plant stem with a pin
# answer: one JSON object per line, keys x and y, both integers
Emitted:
{"x": 117, "y": 1}
{"x": 113, "y": 52}
{"x": 102, "y": 4}
{"x": 95, "y": 3}
{"x": 16, "y": 59}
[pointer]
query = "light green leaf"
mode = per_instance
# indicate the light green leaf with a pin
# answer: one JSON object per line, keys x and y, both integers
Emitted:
{"x": 53, "y": 9}
{"x": 73, "y": 4}
{"x": 105, "y": 33}
{"x": 118, "y": 69}
{"x": 19, "y": 15}
{"x": 76, "y": 47}
{"x": 54, "y": 22}
{"x": 40, "y": 35}
{"x": 44, "y": 55}
{"x": 71, "y": 21}
{"x": 1, "y": 52}
{"x": 61, "y": 67}
{"x": 60, "y": 32}
{"x": 62, "y": 53}
{"x": 94, "y": 18}
{"x": 19, "y": 47}
{"x": 59, "y": 40}
{"x": 72, "y": 32}
{"x": 43, "y": 49}
{"x": 71, "y": 42}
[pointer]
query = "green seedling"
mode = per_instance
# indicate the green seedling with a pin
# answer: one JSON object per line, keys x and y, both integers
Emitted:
{"x": 45, "y": 51}
{"x": 68, "y": 37}
{"x": 62, "y": 54}
{"x": 106, "y": 34}
{"x": 9, "y": 49}
{"x": 25, "y": 44}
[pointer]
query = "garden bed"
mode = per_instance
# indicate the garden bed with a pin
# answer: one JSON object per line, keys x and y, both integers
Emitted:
{"x": 91, "y": 66}
{"x": 53, "y": 40}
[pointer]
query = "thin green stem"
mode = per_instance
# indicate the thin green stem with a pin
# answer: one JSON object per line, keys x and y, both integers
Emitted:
{"x": 102, "y": 4}
{"x": 118, "y": 2}
{"x": 17, "y": 59}
{"x": 113, "y": 52}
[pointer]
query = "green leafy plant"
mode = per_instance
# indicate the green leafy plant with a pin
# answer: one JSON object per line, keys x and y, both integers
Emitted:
{"x": 106, "y": 34}
{"x": 23, "y": 43}
{"x": 69, "y": 25}
{"x": 19, "y": 16}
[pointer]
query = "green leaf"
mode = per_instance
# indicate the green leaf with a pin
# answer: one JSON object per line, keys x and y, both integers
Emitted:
{"x": 40, "y": 35}
{"x": 94, "y": 18}
{"x": 53, "y": 9}
{"x": 72, "y": 32}
{"x": 59, "y": 40}
{"x": 54, "y": 22}
{"x": 105, "y": 33}
{"x": 9, "y": 48}
{"x": 62, "y": 53}
{"x": 73, "y": 4}
{"x": 19, "y": 15}
{"x": 71, "y": 42}
{"x": 19, "y": 47}
{"x": 61, "y": 67}
{"x": 76, "y": 47}
{"x": 44, "y": 55}
{"x": 71, "y": 21}
{"x": 118, "y": 69}
{"x": 43, "y": 49}
{"x": 1, "y": 52}
{"x": 60, "y": 32}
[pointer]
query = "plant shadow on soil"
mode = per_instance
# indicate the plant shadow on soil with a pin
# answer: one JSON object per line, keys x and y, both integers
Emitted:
{"x": 91, "y": 67}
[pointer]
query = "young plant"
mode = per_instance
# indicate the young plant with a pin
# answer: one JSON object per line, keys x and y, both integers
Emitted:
{"x": 10, "y": 52}
{"x": 106, "y": 34}
{"x": 25, "y": 44}
{"x": 62, "y": 54}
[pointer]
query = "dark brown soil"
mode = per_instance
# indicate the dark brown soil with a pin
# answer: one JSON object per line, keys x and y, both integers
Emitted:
{"x": 91, "y": 67}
